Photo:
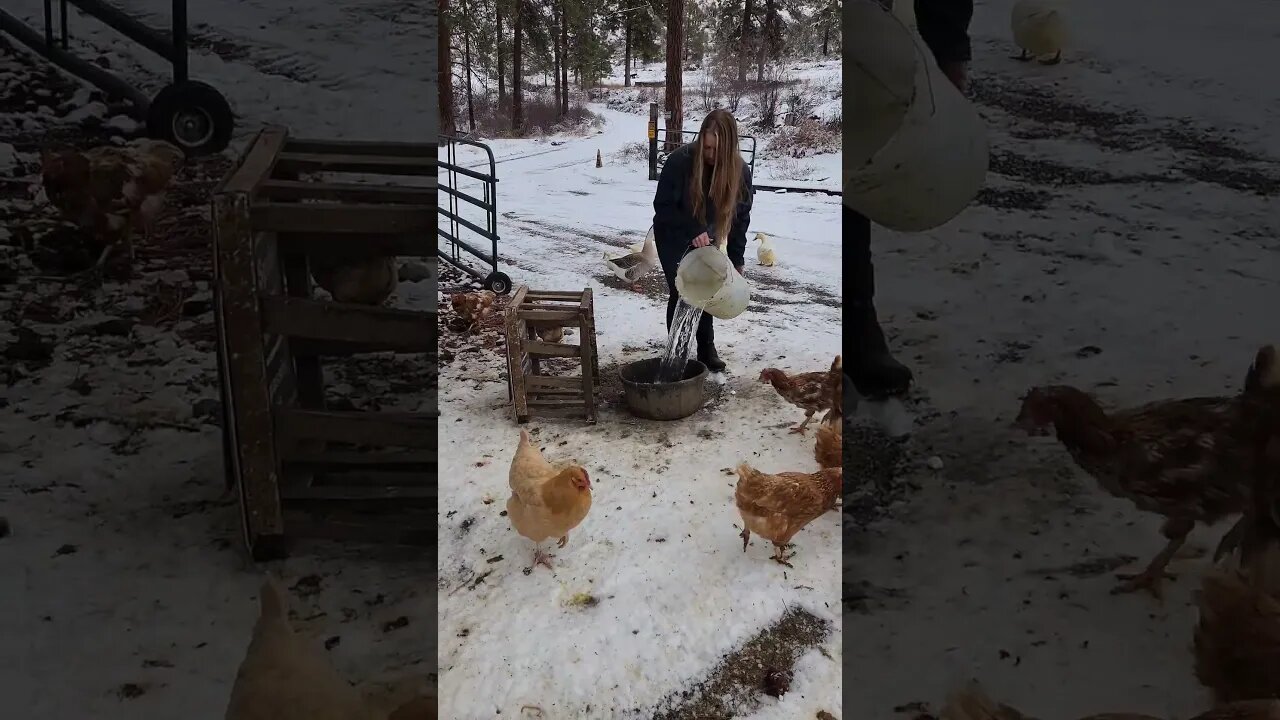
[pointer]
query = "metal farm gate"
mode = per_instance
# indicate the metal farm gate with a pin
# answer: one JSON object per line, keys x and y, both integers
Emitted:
{"x": 663, "y": 141}
{"x": 466, "y": 186}
{"x": 188, "y": 113}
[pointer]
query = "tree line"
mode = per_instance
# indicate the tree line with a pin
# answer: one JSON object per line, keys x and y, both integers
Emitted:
{"x": 491, "y": 48}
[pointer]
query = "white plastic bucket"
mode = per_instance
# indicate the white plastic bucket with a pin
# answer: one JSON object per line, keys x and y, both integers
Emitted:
{"x": 905, "y": 10}
{"x": 707, "y": 279}
{"x": 915, "y": 150}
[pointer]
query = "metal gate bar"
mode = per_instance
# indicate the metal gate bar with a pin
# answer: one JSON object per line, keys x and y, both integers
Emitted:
{"x": 449, "y": 170}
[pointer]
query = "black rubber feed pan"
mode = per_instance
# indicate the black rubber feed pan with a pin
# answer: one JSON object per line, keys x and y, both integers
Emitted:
{"x": 663, "y": 401}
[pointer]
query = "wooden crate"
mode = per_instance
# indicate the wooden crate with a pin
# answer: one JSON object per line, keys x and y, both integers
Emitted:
{"x": 300, "y": 468}
{"x": 529, "y": 388}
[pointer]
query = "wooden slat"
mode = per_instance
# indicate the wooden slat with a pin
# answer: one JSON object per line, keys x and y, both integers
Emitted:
{"x": 343, "y": 218}
{"x": 372, "y": 164}
{"x": 556, "y": 392}
{"x": 555, "y": 295}
{"x": 358, "y": 246}
{"x": 590, "y": 363}
{"x": 357, "y": 428}
{"x": 257, "y": 163}
{"x": 367, "y": 522}
{"x": 553, "y": 381}
{"x": 347, "y": 192}
{"x": 362, "y": 147}
{"x": 387, "y": 329}
{"x": 350, "y": 459}
{"x": 569, "y": 315}
{"x": 515, "y": 357}
{"x": 359, "y": 493}
{"x": 237, "y": 286}
{"x": 537, "y": 347}
{"x": 546, "y": 402}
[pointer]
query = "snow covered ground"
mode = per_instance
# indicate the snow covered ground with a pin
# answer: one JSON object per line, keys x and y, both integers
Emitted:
{"x": 1126, "y": 243}
{"x": 126, "y": 591}
{"x": 356, "y": 69}
{"x": 660, "y": 550}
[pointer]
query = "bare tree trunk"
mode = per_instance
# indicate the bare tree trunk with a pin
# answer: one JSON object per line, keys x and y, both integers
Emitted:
{"x": 564, "y": 56}
{"x": 626, "y": 53}
{"x": 770, "y": 16}
{"x": 445, "y": 72}
{"x": 502, "y": 83}
{"x": 826, "y": 40}
{"x": 744, "y": 58}
{"x": 517, "y": 103}
{"x": 466, "y": 59}
{"x": 557, "y": 58}
{"x": 675, "y": 72}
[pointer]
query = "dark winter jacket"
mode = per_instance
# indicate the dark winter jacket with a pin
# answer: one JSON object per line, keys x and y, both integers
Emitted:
{"x": 674, "y": 225}
{"x": 944, "y": 26}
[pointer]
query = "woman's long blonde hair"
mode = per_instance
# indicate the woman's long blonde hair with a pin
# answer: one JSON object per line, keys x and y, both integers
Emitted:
{"x": 726, "y": 174}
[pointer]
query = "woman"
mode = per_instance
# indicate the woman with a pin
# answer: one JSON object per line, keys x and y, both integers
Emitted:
{"x": 703, "y": 196}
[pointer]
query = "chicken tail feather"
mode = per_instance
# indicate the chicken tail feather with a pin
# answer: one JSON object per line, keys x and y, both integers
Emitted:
{"x": 275, "y": 602}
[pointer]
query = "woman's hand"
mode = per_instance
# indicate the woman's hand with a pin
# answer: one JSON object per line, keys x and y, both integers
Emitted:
{"x": 958, "y": 74}
{"x": 702, "y": 240}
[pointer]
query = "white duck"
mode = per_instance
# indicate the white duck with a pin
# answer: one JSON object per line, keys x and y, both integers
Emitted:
{"x": 631, "y": 268}
{"x": 1039, "y": 29}
{"x": 765, "y": 253}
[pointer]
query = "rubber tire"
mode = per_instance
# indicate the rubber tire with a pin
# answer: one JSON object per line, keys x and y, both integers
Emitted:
{"x": 191, "y": 94}
{"x": 498, "y": 283}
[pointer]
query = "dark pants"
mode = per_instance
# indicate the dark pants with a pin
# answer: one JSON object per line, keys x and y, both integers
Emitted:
{"x": 704, "y": 335}
{"x": 857, "y": 229}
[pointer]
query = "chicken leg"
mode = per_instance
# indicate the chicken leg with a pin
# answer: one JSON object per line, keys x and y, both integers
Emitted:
{"x": 1057, "y": 58}
{"x": 1024, "y": 57}
{"x": 800, "y": 428}
{"x": 780, "y": 556}
{"x": 563, "y": 541}
{"x": 1151, "y": 579}
{"x": 542, "y": 558}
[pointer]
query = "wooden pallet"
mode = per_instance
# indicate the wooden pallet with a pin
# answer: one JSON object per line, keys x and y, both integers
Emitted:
{"x": 532, "y": 391}
{"x": 302, "y": 469}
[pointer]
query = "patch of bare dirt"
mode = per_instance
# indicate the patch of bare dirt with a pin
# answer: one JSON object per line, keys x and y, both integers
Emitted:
{"x": 762, "y": 666}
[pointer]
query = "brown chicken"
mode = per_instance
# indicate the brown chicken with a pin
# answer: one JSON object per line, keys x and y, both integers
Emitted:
{"x": 111, "y": 191}
{"x": 547, "y": 501}
{"x": 285, "y": 677}
{"x": 473, "y": 308}
{"x": 365, "y": 282}
{"x": 1188, "y": 460}
{"x": 972, "y": 703}
{"x": 551, "y": 334}
{"x": 1237, "y": 640}
{"x": 776, "y": 507}
{"x": 809, "y": 391}
{"x": 828, "y": 448}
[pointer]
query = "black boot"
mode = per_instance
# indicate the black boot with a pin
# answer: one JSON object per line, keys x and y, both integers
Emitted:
{"x": 706, "y": 338}
{"x": 874, "y": 372}
{"x": 708, "y": 356}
